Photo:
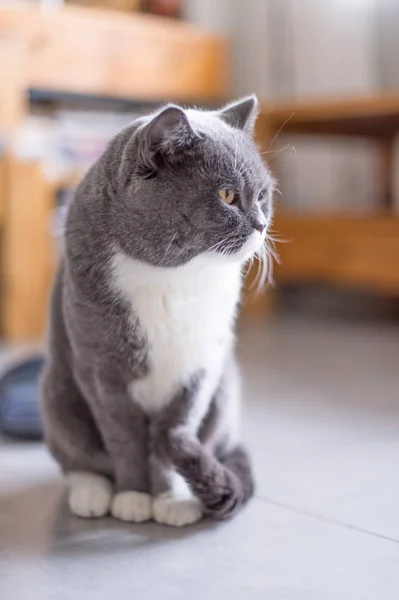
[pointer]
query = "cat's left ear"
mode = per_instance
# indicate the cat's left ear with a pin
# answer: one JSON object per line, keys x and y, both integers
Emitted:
{"x": 167, "y": 134}
{"x": 241, "y": 114}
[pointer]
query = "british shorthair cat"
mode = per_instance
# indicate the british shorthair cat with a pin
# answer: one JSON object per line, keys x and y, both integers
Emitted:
{"x": 141, "y": 389}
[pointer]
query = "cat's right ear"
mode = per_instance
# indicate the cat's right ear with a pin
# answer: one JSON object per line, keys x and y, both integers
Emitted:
{"x": 241, "y": 114}
{"x": 166, "y": 135}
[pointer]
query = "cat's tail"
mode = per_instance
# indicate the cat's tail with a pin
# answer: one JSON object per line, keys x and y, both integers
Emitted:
{"x": 223, "y": 485}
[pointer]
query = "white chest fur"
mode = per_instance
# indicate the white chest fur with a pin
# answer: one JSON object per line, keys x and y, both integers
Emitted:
{"x": 187, "y": 315}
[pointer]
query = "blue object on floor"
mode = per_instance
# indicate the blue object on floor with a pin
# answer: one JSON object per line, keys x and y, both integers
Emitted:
{"x": 19, "y": 400}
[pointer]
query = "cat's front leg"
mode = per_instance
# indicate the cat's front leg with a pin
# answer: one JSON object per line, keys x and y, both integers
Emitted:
{"x": 124, "y": 429}
{"x": 173, "y": 501}
{"x": 224, "y": 483}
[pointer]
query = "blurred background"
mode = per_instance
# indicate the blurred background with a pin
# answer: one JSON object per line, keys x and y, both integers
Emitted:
{"x": 74, "y": 73}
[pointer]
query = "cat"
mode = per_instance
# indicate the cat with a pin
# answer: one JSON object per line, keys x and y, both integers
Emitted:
{"x": 141, "y": 389}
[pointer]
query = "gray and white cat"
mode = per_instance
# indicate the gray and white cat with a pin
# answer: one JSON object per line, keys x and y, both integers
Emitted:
{"x": 141, "y": 390}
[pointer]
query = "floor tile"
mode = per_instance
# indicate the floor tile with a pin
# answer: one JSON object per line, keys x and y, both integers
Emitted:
{"x": 322, "y": 419}
{"x": 266, "y": 552}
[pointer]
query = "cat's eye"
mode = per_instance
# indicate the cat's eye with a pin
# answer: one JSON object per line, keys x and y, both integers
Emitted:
{"x": 150, "y": 175}
{"x": 262, "y": 196}
{"x": 228, "y": 196}
{"x": 146, "y": 172}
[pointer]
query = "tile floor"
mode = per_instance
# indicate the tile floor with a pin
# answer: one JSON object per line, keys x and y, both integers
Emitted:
{"x": 322, "y": 421}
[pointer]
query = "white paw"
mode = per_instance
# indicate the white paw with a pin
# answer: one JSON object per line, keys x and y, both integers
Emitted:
{"x": 90, "y": 495}
{"x": 132, "y": 506}
{"x": 169, "y": 510}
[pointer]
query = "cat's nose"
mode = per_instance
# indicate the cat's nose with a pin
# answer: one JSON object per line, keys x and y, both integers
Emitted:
{"x": 260, "y": 227}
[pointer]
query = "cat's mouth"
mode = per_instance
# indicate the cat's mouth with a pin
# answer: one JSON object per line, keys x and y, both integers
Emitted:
{"x": 242, "y": 250}
{"x": 252, "y": 245}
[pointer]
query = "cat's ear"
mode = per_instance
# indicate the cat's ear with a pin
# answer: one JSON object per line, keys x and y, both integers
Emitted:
{"x": 168, "y": 133}
{"x": 241, "y": 114}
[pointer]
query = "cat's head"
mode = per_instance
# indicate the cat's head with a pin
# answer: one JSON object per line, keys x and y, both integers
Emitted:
{"x": 192, "y": 183}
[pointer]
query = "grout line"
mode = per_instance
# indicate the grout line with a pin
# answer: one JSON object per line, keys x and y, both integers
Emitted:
{"x": 329, "y": 520}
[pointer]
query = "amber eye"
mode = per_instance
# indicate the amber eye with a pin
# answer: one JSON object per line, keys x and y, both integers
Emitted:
{"x": 227, "y": 196}
{"x": 262, "y": 196}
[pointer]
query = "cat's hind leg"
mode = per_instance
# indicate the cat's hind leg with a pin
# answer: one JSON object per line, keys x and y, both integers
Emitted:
{"x": 75, "y": 442}
{"x": 90, "y": 495}
{"x": 124, "y": 430}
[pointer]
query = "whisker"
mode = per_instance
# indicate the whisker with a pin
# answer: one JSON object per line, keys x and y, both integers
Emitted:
{"x": 271, "y": 248}
{"x": 216, "y": 246}
{"x": 280, "y": 130}
{"x": 254, "y": 284}
{"x": 266, "y": 256}
{"x": 277, "y": 239}
{"x": 272, "y": 256}
{"x": 263, "y": 270}
{"x": 248, "y": 265}
{"x": 228, "y": 248}
{"x": 289, "y": 145}
{"x": 235, "y": 154}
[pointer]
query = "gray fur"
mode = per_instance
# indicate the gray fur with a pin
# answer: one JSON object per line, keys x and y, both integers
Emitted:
{"x": 152, "y": 195}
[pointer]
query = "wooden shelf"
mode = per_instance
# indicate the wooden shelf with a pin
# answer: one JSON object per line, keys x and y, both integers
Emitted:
{"x": 57, "y": 99}
{"x": 373, "y": 116}
{"x": 360, "y": 251}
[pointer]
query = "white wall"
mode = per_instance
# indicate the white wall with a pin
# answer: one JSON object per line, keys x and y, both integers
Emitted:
{"x": 245, "y": 22}
{"x": 334, "y": 47}
{"x": 295, "y": 48}
{"x": 387, "y": 51}
{"x": 333, "y": 55}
